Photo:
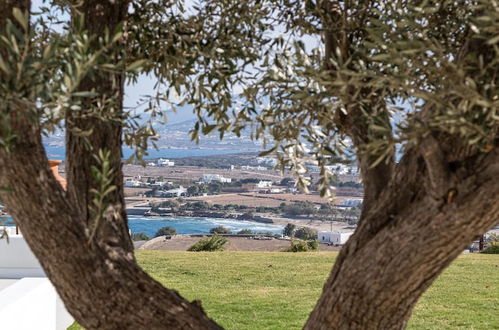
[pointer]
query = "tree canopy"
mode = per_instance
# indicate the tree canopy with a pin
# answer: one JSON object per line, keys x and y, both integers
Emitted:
{"x": 407, "y": 89}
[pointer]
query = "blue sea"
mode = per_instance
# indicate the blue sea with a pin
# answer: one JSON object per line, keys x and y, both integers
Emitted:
{"x": 149, "y": 225}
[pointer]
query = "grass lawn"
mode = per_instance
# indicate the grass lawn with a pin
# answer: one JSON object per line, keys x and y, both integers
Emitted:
{"x": 249, "y": 290}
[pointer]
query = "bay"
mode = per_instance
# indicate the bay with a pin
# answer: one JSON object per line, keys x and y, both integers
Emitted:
{"x": 150, "y": 225}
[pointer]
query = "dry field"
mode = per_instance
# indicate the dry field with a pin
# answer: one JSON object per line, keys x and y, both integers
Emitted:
{"x": 190, "y": 173}
{"x": 268, "y": 200}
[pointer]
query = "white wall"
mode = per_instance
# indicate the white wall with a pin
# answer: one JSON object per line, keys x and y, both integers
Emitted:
{"x": 32, "y": 303}
{"x": 336, "y": 238}
{"x": 17, "y": 260}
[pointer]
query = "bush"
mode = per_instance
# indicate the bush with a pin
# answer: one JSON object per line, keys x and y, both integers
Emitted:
{"x": 303, "y": 246}
{"x": 166, "y": 231}
{"x": 306, "y": 233}
{"x": 313, "y": 245}
{"x": 491, "y": 249}
{"x": 220, "y": 230}
{"x": 199, "y": 206}
{"x": 300, "y": 208}
{"x": 140, "y": 237}
{"x": 214, "y": 243}
{"x": 289, "y": 230}
{"x": 245, "y": 232}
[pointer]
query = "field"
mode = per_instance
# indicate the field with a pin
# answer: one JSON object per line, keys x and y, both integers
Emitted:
{"x": 269, "y": 200}
{"x": 190, "y": 173}
{"x": 248, "y": 290}
{"x": 183, "y": 243}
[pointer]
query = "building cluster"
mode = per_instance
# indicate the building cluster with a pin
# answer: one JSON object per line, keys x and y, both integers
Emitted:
{"x": 209, "y": 178}
{"x": 176, "y": 192}
{"x": 253, "y": 168}
{"x": 162, "y": 162}
{"x": 268, "y": 161}
{"x": 266, "y": 187}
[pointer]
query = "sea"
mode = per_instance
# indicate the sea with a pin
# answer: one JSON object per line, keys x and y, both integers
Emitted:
{"x": 186, "y": 225}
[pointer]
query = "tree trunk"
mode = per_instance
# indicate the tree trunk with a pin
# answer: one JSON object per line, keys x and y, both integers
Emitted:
{"x": 99, "y": 281}
{"x": 105, "y": 125}
{"x": 379, "y": 275}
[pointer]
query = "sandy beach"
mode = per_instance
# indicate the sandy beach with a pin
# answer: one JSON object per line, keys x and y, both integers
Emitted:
{"x": 318, "y": 225}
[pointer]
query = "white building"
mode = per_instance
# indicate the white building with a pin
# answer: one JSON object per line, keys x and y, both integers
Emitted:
{"x": 132, "y": 183}
{"x": 159, "y": 184}
{"x": 334, "y": 237}
{"x": 253, "y": 168}
{"x": 27, "y": 298}
{"x": 267, "y": 161}
{"x": 352, "y": 202}
{"x": 164, "y": 162}
{"x": 177, "y": 192}
{"x": 208, "y": 178}
{"x": 264, "y": 184}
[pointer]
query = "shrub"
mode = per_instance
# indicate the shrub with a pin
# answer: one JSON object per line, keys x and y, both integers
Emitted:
{"x": 303, "y": 246}
{"x": 220, "y": 230}
{"x": 166, "y": 231}
{"x": 214, "y": 243}
{"x": 245, "y": 232}
{"x": 313, "y": 245}
{"x": 289, "y": 230}
{"x": 199, "y": 205}
{"x": 140, "y": 237}
{"x": 491, "y": 249}
{"x": 306, "y": 233}
{"x": 300, "y": 208}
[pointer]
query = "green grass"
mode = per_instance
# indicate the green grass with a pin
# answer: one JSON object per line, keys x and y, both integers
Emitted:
{"x": 249, "y": 290}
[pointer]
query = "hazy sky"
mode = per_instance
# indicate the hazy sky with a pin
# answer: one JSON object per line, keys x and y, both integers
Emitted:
{"x": 144, "y": 86}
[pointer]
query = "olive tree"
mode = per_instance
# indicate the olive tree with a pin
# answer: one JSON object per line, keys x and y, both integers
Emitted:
{"x": 406, "y": 89}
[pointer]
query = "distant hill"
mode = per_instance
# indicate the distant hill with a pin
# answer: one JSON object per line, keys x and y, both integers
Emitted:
{"x": 176, "y": 136}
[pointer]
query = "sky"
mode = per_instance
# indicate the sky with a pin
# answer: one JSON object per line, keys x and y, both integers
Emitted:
{"x": 144, "y": 86}
{"x": 134, "y": 93}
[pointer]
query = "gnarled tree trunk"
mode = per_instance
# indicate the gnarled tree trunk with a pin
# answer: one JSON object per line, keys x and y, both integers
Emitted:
{"x": 381, "y": 273}
{"x": 97, "y": 277}
{"x": 417, "y": 217}
{"x": 419, "y": 214}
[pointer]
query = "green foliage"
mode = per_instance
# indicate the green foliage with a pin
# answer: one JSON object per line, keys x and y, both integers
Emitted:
{"x": 140, "y": 237}
{"x": 289, "y": 230}
{"x": 215, "y": 187}
{"x": 245, "y": 232}
{"x": 220, "y": 230}
{"x": 212, "y": 244}
{"x": 300, "y": 208}
{"x": 193, "y": 190}
{"x": 103, "y": 176}
{"x": 303, "y": 246}
{"x": 313, "y": 245}
{"x": 306, "y": 233}
{"x": 166, "y": 231}
{"x": 493, "y": 248}
{"x": 198, "y": 205}
{"x": 349, "y": 184}
{"x": 246, "y": 278}
{"x": 287, "y": 182}
{"x": 173, "y": 204}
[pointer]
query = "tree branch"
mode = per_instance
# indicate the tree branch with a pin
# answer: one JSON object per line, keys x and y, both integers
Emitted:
{"x": 100, "y": 17}
{"x": 437, "y": 167}
{"x": 351, "y": 119}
